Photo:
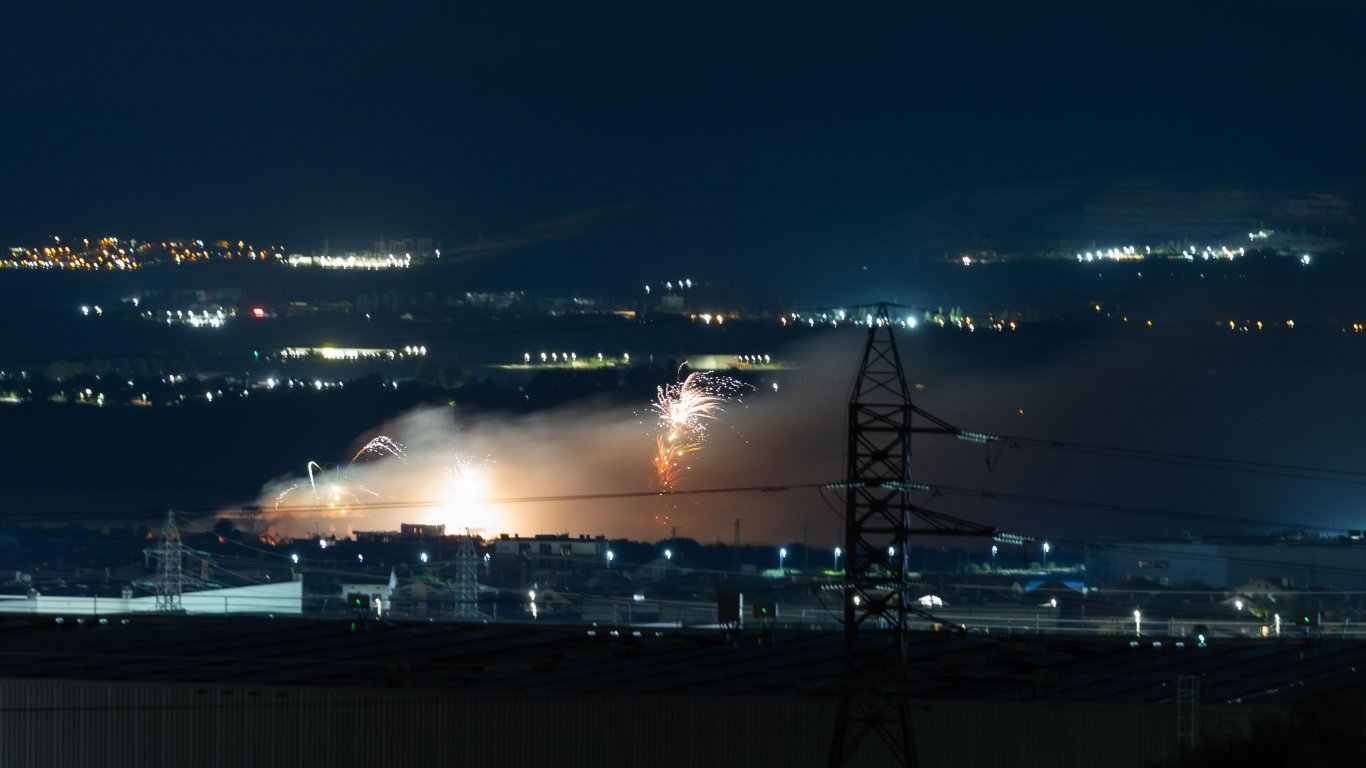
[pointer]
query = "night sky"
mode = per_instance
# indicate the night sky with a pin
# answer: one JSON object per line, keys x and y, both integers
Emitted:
{"x": 786, "y": 154}
{"x": 749, "y": 138}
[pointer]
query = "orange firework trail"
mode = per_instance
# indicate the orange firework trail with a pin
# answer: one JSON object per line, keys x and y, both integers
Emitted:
{"x": 684, "y": 409}
{"x": 380, "y": 446}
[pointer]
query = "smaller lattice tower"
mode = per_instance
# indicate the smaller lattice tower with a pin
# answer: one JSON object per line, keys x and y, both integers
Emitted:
{"x": 170, "y": 556}
{"x": 466, "y": 579}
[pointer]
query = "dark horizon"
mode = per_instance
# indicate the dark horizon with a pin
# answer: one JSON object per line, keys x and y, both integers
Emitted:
{"x": 748, "y": 138}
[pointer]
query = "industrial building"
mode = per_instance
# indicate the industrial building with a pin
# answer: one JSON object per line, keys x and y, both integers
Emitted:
{"x": 1294, "y": 559}
{"x": 279, "y": 598}
{"x": 547, "y": 557}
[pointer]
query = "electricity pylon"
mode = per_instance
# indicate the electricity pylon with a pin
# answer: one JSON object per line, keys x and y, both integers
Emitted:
{"x": 877, "y": 531}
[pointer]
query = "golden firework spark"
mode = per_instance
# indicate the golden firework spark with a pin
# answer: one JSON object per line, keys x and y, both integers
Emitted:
{"x": 684, "y": 409}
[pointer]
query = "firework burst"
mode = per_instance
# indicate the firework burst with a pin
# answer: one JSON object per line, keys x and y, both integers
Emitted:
{"x": 465, "y": 504}
{"x": 333, "y": 488}
{"x": 684, "y": 409}
{"x": 380, "y": 446}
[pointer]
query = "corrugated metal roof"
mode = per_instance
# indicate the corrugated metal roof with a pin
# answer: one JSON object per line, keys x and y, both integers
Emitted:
{"x": 494, "y": 658}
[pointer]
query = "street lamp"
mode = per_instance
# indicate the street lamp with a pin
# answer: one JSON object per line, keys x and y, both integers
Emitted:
{"x": 668, "y": 554}
{"x": 1138, "y": 623}
{"x": 993, "y": 557}
{"x": 782, "y": 555}
{"x": 1046, "y": 549}
{"x": 610, "y": 557}
{"x": 423, "y": 557}
{"x": 1239, "y": 605}
{"x": 838, "y": 552}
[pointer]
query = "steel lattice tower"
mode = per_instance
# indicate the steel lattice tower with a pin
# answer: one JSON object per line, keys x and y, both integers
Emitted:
{"x": 877, "y": 530}
{"x": 170, "y": 582}
{"x": 466, "y": 579}
{"x": 1187, "y": 711}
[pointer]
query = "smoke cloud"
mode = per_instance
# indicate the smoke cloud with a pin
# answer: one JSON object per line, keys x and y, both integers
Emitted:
{"x": 501, "y": 473}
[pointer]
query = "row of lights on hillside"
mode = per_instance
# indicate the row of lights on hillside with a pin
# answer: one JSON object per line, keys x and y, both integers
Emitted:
{"x": 565, "y": 357}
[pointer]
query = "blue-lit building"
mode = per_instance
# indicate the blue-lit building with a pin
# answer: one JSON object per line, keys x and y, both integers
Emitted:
{"x": 1294, "y": 560}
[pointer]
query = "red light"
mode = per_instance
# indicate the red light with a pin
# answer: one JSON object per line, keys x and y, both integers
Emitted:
{"x": 258, "y": 312}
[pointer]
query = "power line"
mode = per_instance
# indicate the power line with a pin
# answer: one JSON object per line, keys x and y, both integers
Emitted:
{"x": 421, "y": 503}
{"x": 1126, "y": 509}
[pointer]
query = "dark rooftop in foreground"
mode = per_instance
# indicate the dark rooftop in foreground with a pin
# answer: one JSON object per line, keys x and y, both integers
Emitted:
{"x": 505, "y": 658}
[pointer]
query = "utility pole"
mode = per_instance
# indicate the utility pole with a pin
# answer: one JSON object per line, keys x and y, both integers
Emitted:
{"x": 735, "y": 548}
{"x": 806, "y": 549}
